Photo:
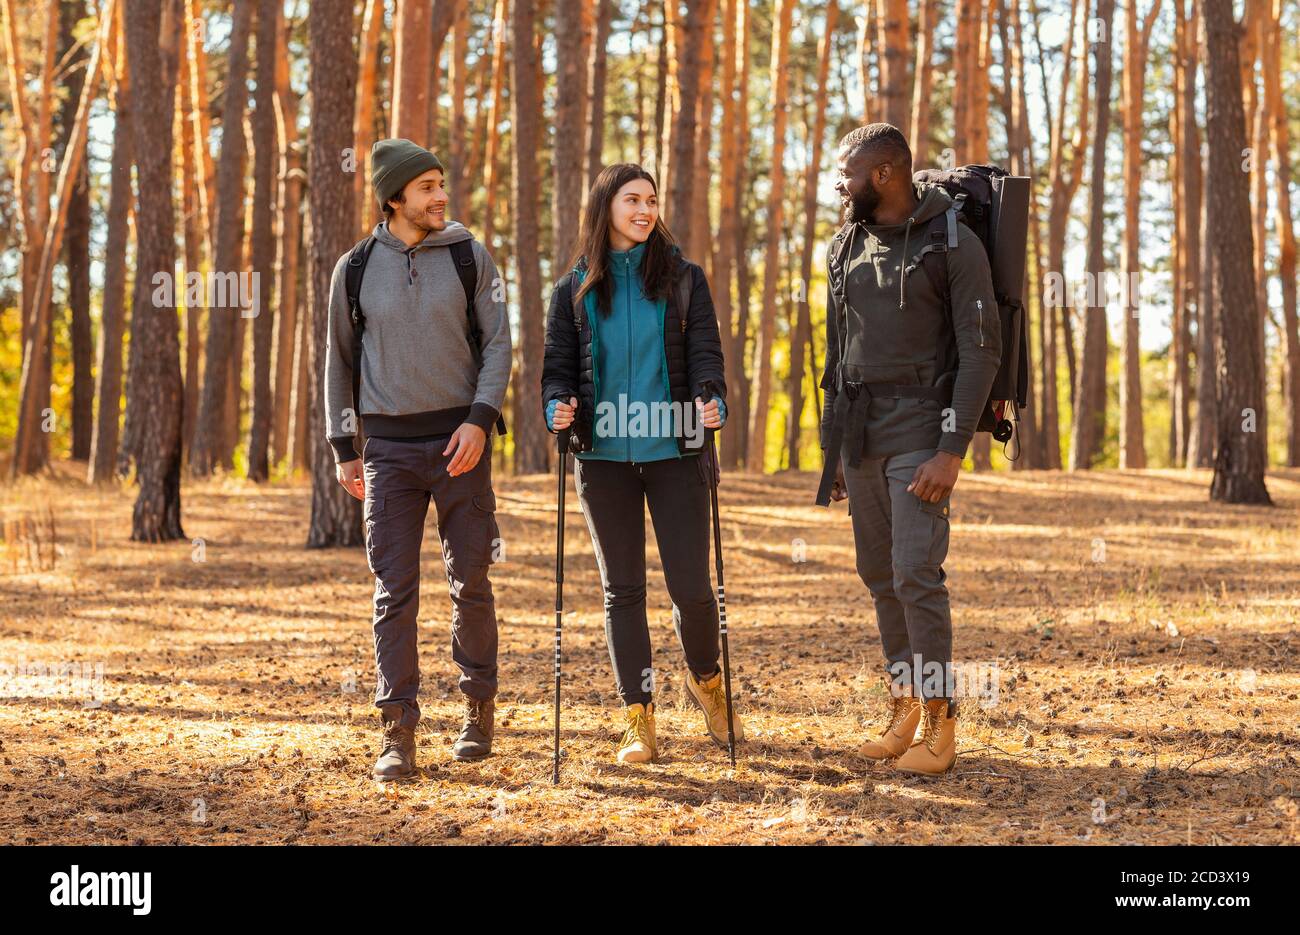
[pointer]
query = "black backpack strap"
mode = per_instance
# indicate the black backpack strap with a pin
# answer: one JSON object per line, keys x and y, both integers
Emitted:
{"x": 462, "y": 257}
{"x": 682, "y": 288}
{"x": 358, "y": 257}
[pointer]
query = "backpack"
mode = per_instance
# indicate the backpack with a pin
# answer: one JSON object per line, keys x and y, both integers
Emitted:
{"x": 462, "y": 255}
{"x": 995, "y": 206}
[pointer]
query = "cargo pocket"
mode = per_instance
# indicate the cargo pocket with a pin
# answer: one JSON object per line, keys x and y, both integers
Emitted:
{"x": 373, "y": 513}
{"x": 934, "y": 516}
{"x": 485, "y": 509}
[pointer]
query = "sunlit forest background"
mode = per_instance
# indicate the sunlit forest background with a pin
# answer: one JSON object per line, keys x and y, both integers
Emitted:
{"x": 735, "y": 106}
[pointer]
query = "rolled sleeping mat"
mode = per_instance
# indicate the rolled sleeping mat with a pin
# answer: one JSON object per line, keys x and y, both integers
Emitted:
{"x": 1010, "y": 229}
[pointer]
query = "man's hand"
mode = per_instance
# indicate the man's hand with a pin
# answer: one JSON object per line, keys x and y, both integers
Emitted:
{"x": 839, "y": 489}
{"x": 564, "y": 412}
{"x": 352, "y": 477}
{"x": 709, "y": 413}
{"x": 466, "y": 447}
{"x": 935, "y": 478}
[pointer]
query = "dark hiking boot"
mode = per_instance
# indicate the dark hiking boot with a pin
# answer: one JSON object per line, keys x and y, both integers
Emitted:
{"x": 397, "y": 758}
{"x": 475, "y": 740}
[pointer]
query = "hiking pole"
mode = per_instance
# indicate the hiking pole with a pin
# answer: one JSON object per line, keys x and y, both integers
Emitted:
{"x": 563, "y": 445}
{"x": 714, "y": 471}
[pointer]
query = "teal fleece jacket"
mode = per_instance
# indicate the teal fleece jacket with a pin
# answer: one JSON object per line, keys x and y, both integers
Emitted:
{"x": 628, "y": 354}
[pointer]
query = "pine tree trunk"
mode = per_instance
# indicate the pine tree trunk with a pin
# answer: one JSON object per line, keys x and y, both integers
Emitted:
{"x": 288, "y": 234}
{"x": 780, "y": 83}
{"x": 1090, "y": 395}
{"x": 154, "y": 405}
{"x": 491, "y": 159}
{"x": 1137, "y": 37}
{"x": 262, "y": 241}
{"x": 1201, "y": 454}
{"x": 567, "y": 165}
{"x": 701, "y": 226}
{"x": 76, "y": 239}
{"x": 1279, "y": 136}
{"x": 332, "y": 84}
{"x": 1240, "y": 457}
{"x": 532, "y": 441}
{"x": 688, "y": 40}
{"x": 803, "y": 317}
{"x": 363, "y": 128}
{"x": 926, "y": 15}
{"x": 597, "y": 72}
{"x": 209, "y": 446}
{"x": 892, "y": 23}
{"x": 412, "y": 67}
{"x": 195, "y": 236}
{"x": 724, "y": 256}
{"x": 108, "y": 388}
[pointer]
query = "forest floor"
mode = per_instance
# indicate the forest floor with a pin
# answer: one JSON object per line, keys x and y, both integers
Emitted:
{"x": 1142, "y": 642}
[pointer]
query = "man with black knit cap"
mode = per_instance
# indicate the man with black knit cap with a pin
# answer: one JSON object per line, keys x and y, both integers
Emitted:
{"x": 433, "y": 366}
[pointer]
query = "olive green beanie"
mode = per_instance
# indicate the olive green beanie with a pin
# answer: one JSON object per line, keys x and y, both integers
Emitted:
{"x": 393, "y": 163}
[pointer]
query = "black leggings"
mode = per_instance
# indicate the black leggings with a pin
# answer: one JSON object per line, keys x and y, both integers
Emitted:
{"x": 613, "y": 495}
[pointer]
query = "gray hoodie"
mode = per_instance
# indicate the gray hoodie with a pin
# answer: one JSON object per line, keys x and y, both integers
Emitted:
{"x": 418, "y": 375}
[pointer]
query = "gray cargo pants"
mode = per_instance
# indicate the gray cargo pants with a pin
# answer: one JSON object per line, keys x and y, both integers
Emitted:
{"x": 401, "y": 476}
{"x": 901, "y": 543}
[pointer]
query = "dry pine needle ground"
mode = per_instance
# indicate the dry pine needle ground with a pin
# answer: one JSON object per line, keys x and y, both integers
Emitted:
{"x": 1144, "y": 643}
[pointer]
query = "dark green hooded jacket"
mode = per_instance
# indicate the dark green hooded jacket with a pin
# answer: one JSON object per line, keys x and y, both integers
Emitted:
{"x": 880, "y": 330}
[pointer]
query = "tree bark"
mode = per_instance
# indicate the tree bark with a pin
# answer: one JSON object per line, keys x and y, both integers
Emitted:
{"x": 532, "y": 441}
{"x": 803, "y": 315}
{"x": 209, "y": 446}
{"x": 1279, "y": 136}
{"x": 1137, "y": 40}
{"x": 154, "y": 405}
{"x": 1240, "y": 457}
{"x": 922, "y": 84}
{"x": 364, "y": 124}
{"x": 892, "y": 24}
{"x": 597, "y": 71}
{"x": 688, "y": 41}
{"x": 567, "y": 166}
{"x": 76, "y": 248}
{"x": 1090, "y": 395}
{"x": 108, "y": 388}
{"x": 412, "y": 67}
{"x": 289, "y": 233}
{"x": 332, "y": 84}
{"x": 262, "y": 241}
{"x": 780, "y": 83}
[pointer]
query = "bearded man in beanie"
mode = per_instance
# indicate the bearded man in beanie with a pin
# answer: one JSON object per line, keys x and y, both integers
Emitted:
{"x": 418, "y": 349}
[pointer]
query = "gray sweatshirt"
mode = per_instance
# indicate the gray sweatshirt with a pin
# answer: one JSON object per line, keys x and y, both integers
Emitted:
{"x": 418, "y": 375}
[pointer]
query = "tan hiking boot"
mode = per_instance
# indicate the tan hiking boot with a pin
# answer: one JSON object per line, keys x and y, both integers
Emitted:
{"x": 936, "y": 750}
{"x": 638, "y": 742}
{"x": 904, "y": 716}
{"x": 710, "y": 696}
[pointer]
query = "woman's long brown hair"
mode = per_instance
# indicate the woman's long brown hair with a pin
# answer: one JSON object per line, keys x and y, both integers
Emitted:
{"x": 593, "y": 242}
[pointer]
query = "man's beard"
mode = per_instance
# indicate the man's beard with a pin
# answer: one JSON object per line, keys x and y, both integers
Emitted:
{"x": 862, "y": 208}
{"x": 422, "y": 220}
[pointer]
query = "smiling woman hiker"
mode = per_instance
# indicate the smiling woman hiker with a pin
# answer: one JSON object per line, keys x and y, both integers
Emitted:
{"x": 631, "y": 343}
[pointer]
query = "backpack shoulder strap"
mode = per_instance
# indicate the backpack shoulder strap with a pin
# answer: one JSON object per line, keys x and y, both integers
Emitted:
{"x": 358, "y": 257}
{"x": 683, "y": 286}
{"x": 462, "y": 255}
{"x": 933, "y": 257}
